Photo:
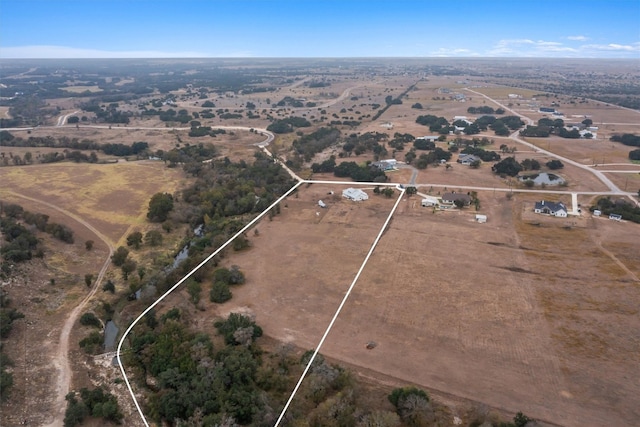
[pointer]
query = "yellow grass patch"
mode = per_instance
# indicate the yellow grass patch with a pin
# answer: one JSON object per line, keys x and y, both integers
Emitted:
{"x": 111, "y": 197}
{"x": 80, "y": 89}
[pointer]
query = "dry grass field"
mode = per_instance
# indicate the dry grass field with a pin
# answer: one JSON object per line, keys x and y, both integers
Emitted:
{"x": 523, "y": 313}
{"x": 539, "y": 318}
{"x": 112, "y": 197}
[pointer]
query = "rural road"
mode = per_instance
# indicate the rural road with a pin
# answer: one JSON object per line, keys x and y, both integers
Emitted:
{"x": 63, "y": 119}
{"x": 61, "y": 358}
{"x": 515, "y": 137}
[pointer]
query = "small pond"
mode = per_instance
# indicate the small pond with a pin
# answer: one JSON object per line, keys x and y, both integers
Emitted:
{"x": 110, "y": 335}
{"x": 543, "y": 178}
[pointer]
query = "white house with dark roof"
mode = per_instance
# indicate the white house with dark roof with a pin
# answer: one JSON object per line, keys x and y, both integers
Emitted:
{"x": 550, "y": 208}
{"x": 467, "y": 159}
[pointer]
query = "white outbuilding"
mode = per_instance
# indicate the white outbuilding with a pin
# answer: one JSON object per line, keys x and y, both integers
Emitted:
{"x": 355, "y": 194}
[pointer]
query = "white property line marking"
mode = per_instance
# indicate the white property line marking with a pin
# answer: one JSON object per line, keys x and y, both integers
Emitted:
{"x": 206, "y": 260}
{"x": 335, "y": 316}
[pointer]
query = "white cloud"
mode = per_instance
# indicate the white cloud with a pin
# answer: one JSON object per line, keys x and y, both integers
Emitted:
{"x": 60, "y": 52}
{"x": 447, "y": 52}
{"x": 578, "y": 38}
{"x": 634, "y": 47}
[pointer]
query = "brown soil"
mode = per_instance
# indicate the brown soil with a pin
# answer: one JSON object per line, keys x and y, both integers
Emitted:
{"x": 523, "y": 317}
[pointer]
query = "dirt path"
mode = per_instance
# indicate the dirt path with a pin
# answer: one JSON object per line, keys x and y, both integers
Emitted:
{"x": 61, "y": 357}
{"x": 598, "y": 241}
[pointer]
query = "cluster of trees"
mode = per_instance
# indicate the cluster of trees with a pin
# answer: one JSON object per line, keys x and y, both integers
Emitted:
{"x": 432, "y": 157}
{"x": 368, "y": 141}
{"x": 223, "y": 278}
{"x": 436, "y": 124}
{"x": 484, "y": 155}
{"x": 484, "y": 110}
{"x": 288, "y": 125}
{"x": 400, "y": 139}
{"x": 324, "y": 167}
{"x": 21, "y": 242}
{"x": 110, "y": 114}
{"x": 627, "y": 139}
{"x": 634, "y": 154}
{"x": 554, "y": 164}
{"x": 291, "y": 102}
{"x": 160, "y": 205}
{"x": 193, "y": 381}
{"x": 508, "y": 166}
{"x": 547, "y": 126}
{"x": 306, "y": 146}
{"x": 96, "y": 403}
{"x": 359, "y": 173}
{"x": 500, "y": 126}
{"x": 620, "y": 207}
{"x": 7, "y": 316}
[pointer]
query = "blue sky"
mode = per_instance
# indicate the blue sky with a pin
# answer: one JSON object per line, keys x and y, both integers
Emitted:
{"x": 312, "y": 28}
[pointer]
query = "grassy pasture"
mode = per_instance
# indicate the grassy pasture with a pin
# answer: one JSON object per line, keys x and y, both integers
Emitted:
{"x": 80, "y": 89}
{"x": 112, "y": 197}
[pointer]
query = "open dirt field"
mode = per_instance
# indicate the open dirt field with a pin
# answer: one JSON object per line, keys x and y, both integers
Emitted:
{"x": 588, "y": 152}
{"x": 541, "y": 318}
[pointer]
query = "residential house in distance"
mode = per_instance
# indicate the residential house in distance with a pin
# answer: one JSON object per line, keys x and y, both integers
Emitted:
{"x": 615, "y": 217}
{"x": 467, "y": 159}
{"x": 386, "y": 165}
{"x": 430, "y": 138}
{"x": 430, "y": 201}
{"x": 449, "y": 200}
{"x": 481, "y": 219}
{"x": 355, "y": 194}
{"x": 550, "y": 208}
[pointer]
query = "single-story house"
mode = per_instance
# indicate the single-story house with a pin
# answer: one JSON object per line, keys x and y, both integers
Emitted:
{"x": 597, "y": 212}
{"x": 481, "y": 218}
{"x": 550, "y": 208}
{"x": 429, "y": 201}
{"x": 615, "y": 217}
{"x": 449, "y": 199}
{"x": 431, "y": 138}
{"x": 385, "y": 165}
{"x": 467, "y": 159}
{"x": 355, "y": 194}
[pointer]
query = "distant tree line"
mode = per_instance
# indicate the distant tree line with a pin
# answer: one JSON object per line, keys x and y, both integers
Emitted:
{"x": 288, "y": 125}
{"x": 485, "y": 109}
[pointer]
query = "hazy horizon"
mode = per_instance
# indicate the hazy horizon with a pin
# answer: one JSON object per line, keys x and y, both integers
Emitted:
{"x": 199, "y": 29}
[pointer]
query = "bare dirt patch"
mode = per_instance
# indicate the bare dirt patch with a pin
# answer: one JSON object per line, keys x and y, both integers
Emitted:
{"x": 512, "y": 313}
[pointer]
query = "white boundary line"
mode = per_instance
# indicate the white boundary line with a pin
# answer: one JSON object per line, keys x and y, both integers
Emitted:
{"x": 335, "y": 316}
{"x": 206, "y": 260}
{"x": 244, "y": 229}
